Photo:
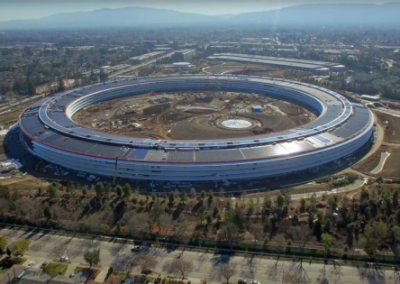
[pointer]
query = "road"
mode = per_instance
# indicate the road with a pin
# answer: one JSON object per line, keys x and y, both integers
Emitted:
{"x": 19, "y": 102}
{"x": 133, "y": 68}
{"x": 119, "y": 256}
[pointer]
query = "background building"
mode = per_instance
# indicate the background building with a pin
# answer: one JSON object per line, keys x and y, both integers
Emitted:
{"x": 184, "y": 54}
{"x": 315, "y": 67}
{"x": 144, "y": 57}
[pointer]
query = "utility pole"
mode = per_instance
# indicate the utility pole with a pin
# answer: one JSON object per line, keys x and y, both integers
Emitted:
{"x": 115, "y": 171}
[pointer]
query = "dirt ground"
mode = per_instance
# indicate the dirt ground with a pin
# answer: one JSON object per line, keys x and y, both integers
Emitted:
{"x": 392, "y": 132}
{"x": 391, "y": 105}
{"x": 369, "y": 164}
{"x": 25, "y": 183}
{"x": 392, "y": 165}
{"x": 306, "y": 188}
{"x": 191, "y": 115}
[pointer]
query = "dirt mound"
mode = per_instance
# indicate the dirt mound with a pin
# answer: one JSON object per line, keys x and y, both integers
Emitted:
{"x": 156, "y": 109}
{"x": 199, "y": 111}
{"x": 173, "y": 116}
{"x": 263, "y": 131}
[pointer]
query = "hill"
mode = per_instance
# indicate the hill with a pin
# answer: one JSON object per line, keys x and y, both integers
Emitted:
{"x": 302, "y": 15}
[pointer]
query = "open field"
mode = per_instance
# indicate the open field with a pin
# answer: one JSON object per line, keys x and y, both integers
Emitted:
{"x": 392, "y": 132}
{"x": 370, "y": 163}
{"x": 392, "y": 165}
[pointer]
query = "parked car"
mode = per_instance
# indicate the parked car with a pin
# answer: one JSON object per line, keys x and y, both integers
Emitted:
{"x": 44, "y": 264}
{"x": 136, "y": 248}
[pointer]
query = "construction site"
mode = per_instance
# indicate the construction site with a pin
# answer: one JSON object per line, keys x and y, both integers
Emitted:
{"x": 194, "y": 115}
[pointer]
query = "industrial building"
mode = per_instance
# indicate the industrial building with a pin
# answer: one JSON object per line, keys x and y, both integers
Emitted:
{"x": 184, "y": 54}
{"x": 145, "y": 57}
{"x": 312, "y": 66}
{"x": 110, "y": 69}
{"x": 371, "y": 98}
{"x": 48, "y": 131}
{"x": 181, "y": 65}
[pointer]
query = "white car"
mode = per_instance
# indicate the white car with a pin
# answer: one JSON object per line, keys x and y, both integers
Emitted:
{"x": 30, "y": 264}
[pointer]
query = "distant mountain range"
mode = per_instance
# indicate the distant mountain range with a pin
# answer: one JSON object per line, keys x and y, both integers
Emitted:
{"x": 302, "y": 15}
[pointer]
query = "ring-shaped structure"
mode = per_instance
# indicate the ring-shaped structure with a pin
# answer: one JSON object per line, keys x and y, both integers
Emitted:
{"x": 342, "y": 127}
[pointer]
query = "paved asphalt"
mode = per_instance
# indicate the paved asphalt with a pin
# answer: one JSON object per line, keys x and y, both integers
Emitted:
{"x": 48, "y": 246}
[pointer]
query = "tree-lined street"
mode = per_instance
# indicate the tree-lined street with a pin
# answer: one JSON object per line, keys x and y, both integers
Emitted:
{"x": 194, "y": 264}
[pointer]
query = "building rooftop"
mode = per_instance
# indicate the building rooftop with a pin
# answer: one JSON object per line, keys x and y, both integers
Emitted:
{"x": 61, "y": 279}
{"x": 34, "y": 278}
{"x": 113, "y": 279}
{"x": 280, "y": 60}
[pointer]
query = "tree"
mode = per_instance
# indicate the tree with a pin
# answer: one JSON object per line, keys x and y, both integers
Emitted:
{"x": 302, "y": 205}
{"x": 8, "y": 252}
{"x": 118, "y": 190}
{"x": 171, "y": 198}
{"x": 288, "y": 199}
{"x": 257, "y": 231}
{"x": 99, "y": 188}
{"x": 327, "y": 240}
{"x": 137, "y": 225}
{"x": 146, "y": 261}
{"x": 3, "y": 245}
{"x": 92, "y": 257}
{"x": 210, "y": 198}
{"x": 226, "y": 270}
{"x": 9, "y": 96}
{"x": 280, "y": 201}
{"x": 110, "y": 271}
{"x": 296, "y": 274}
{"x": 183, "y": 196}
{"x": 280, "y": 240}
{"x": 182, "y": 232}
{"x": 52, "y": 191}
{"x": 126, "y": 189}
{"x": 103, "y": 76}
{"x": 193, "y": 192}
{"x": 31, "y": 87}
{"x": 19, "y": 248}
{"x": 181, "y": 267}
{"x": 375, "y": 233}
{"x": 301, "y": 234}
{"x": 230, "y": 232}
{"x": 61, "y": 86}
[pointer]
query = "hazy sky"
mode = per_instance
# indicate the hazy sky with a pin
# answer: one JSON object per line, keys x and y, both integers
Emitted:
{"x": 34, "y": 9}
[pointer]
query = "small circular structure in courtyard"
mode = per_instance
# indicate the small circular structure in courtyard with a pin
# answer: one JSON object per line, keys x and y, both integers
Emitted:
{"x": 236, "y": 124}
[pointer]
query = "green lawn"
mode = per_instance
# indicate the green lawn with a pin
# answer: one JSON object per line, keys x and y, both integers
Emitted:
{"x": 77, "y": 270}
{"x": 53, "y": 269}
{"x": 6, "y": 263}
